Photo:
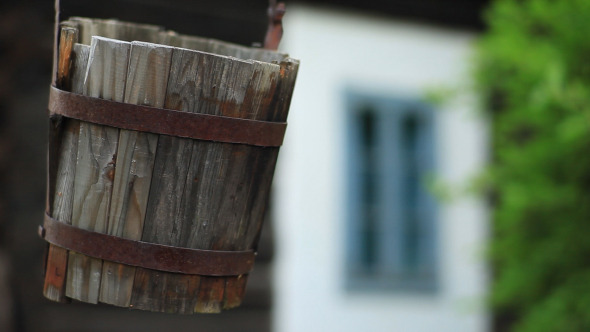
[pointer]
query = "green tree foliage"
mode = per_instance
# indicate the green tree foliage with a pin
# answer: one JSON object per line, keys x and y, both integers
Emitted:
{"x": 533, "y": 68}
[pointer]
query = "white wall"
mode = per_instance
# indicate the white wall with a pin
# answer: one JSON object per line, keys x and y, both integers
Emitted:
{"x": 339, "y": 50}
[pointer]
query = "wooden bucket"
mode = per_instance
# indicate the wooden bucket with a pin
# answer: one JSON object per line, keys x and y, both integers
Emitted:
{"x": 161, "y": 156}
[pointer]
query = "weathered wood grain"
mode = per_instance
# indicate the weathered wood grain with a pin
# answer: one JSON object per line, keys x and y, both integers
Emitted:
{"x": 68, "y": 37}
{"x": 116, "y": 29}
{"x": 169, "y": 38}
{"x": 210, "y": 295}
{"x": 235, "y": 289}
{"x": 227, "y": 49}
{"x": 236, "y": 206}
{"x": 160, "y": 291}
{"x": 72, "y": 62}
{"x": 281, "y": 90}
{"x": 147, "y": 77}
{"x": 156, "y": 34}
{"x": 190, "y": 72}
{"x": 282, "y": 100}
{"x": 211, "y": 173}
{"x": 194, "y": 43}
{"x": 274, "y": 106}
{"x": 104, "y": 28}
{"x": 169, "y": 190}
{"x": 219, "y": 189}
{"x": 173, "y": 154}
{"x": 84, "y": 26}
{"x": 138, "y": 32}
{"x": 95, "y": 167}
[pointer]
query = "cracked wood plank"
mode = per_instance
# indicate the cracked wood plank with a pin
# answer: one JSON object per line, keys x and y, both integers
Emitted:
{"x": 95, "y": 167}
{"x": 147, "y": 77}
{"x": 73, "y": 59}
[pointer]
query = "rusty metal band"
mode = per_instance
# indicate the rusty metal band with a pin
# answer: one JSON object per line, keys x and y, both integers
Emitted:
{"x": 147, "y": 255}
{"x": 167, "y": 122}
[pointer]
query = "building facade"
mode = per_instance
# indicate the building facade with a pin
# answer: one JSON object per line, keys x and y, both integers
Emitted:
{"x": 364, "y": 239}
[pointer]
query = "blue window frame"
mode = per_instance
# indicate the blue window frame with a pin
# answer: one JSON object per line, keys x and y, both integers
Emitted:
{"x": 392, "y": 236}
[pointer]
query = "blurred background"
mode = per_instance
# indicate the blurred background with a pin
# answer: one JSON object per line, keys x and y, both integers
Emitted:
{"x": 434, "y": 175}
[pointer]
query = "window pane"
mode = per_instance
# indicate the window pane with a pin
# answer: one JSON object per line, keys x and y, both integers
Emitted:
{"x": 391, "y": 229}
{"x": 369, "y": 190}
{"x": 410, "y": 191}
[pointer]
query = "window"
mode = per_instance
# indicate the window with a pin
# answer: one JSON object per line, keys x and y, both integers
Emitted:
{"x": 392, "y": 215}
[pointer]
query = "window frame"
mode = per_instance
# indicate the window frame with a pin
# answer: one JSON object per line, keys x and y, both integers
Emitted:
{"x": 390, "y": 274}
